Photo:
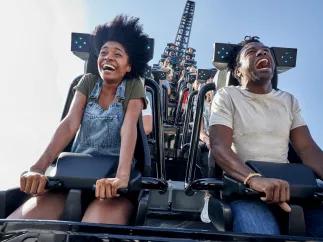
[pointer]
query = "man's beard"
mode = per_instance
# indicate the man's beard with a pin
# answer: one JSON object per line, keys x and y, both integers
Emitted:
{"x": 261, "y": 80}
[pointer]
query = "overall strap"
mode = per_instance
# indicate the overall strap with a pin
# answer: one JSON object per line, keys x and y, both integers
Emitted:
{"x": 96, "y": 90}
{"x": 120, "y": 94}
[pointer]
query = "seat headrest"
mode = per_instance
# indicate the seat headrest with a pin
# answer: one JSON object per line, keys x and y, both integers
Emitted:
{"x": 225, "y": 78}
{"x": 285, "y": 58}
{"x": 82, "y": 46}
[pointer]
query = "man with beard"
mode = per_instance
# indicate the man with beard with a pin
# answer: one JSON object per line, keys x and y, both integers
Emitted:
{"x": 256, "y": 121}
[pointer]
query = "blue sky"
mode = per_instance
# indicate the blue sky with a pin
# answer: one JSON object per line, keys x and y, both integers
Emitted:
{"x": 288, "y": 23}
{"x": 37, "y": 66}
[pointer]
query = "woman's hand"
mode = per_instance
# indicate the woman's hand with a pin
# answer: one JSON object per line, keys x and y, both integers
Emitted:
{"x": 33, "y": 183}
{"x": 108, "y": 187}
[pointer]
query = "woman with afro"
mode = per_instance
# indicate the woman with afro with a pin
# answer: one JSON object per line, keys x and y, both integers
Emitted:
{"x": 103, "y": 127}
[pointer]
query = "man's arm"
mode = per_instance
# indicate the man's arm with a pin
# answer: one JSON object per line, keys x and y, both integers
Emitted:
{"x": 309, "y": 152}
{"x": 276, "y": 190}
{"x": 221, "y": 141}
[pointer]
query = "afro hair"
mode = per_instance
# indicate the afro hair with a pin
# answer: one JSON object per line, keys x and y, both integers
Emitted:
{"x": 128, "y": 32}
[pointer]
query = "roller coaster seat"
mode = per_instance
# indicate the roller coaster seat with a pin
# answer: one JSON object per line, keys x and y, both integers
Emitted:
{"x": 12, "y": 198}
{"x": 141, "y": 154}
{"x": 219, "y": 209}
{"x": 303, "y": 187}
{"x": 143, "y": 164}
{"x": 294, "y": 222}
{"x": 225, "y": 78}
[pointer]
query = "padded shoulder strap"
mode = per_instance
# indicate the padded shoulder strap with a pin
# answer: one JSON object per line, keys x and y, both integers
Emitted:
{"x": 142, "y": 152}
{"x": 126, "y": 95}
{"x": 130, "y": 91}
{"x": 300, "y": 177}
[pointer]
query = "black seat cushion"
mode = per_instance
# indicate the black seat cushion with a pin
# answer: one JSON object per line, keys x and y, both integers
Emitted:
{"x": 300, "y": 177}
{"x": 80, "y": 171}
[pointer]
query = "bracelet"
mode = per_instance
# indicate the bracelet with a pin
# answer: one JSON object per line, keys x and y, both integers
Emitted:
{"x": 250, "y": 176}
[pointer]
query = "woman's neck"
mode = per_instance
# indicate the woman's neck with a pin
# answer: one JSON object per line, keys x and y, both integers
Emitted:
{"x": 110, "y": 88}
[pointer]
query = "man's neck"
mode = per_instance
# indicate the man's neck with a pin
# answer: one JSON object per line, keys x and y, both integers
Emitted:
{"x": 257, "y": 87}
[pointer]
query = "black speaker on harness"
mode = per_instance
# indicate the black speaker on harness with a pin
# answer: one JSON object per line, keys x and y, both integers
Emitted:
{"x": 285, "y": 58}
{"x": 150, "y": 47}
{"x": 82, "y": 46}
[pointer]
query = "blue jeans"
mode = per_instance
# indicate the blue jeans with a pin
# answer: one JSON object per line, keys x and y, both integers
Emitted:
{"x": 256, "y": 217}
{"x": 314, "y": 221}
{"x": 253, "y": 217}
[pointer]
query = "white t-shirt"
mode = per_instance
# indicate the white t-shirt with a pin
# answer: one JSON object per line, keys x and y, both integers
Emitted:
{"x": 261, "y": 123}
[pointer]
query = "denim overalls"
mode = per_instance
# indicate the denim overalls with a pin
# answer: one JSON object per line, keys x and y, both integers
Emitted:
{"x": 99, "y": 134}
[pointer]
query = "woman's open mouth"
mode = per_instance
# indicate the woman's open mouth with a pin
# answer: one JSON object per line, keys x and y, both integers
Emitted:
{"x": 108, "y": 67}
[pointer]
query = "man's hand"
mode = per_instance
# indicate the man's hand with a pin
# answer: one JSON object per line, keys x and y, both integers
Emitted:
{"x": 108, "y": 187}
{"x": 33, "y": 183}
{"x": 276, "y": 190}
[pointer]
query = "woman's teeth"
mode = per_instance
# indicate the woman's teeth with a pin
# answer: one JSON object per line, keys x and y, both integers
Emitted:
{"x": 107, "y": 67}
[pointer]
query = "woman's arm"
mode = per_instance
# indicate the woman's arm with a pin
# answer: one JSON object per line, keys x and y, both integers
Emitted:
{"x": 107, "y": 187}
{"x": 128, "y": 138}
{"x": 34, "y": 181}
{"x": 64, "y": 132}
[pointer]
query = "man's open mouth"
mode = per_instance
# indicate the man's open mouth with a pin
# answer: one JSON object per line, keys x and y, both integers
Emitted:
{"x": 108, "y": 67}
{"x": 263, "y": 64}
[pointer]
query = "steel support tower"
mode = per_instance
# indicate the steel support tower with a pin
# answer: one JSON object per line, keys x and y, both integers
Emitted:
{"x": 178, "y": 50}
{"x": 184, "y": 30}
